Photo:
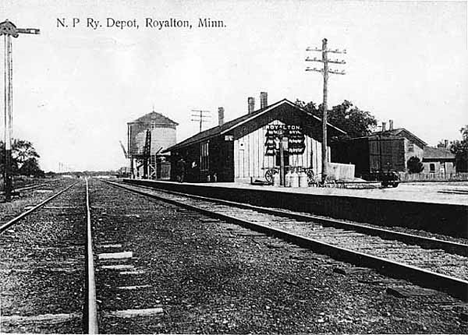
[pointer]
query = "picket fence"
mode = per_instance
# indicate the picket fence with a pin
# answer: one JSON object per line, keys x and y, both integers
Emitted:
{"x": 410, "y": 177}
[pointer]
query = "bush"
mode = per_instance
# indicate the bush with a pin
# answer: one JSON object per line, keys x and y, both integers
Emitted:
{"x": 414, "y": 165}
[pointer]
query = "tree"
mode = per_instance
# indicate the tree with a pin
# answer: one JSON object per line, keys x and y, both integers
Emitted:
{"x": 414, "y": 165}
{"x": 346, "y": 116}
{"x": 443, "y": 144}
{"x": 310, "y": 106}
{"x": 31, "y": 168}
{"x": 460, "y": 149}
{"x": 22, "y": 152}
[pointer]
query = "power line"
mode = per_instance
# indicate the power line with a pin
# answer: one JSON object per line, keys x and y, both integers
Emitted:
{"x": 200, "y": 116}
{"x": 62, "y": 167}
{"x": 325, "y": 72}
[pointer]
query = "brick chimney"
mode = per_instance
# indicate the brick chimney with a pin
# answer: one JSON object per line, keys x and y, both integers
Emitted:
{"x": 384, "y": 126}
{"x": 390, "y": 124}
{"x": 220, "y": 116}
{"x": 263, "y": 99}
{"x": 251, "y": 104}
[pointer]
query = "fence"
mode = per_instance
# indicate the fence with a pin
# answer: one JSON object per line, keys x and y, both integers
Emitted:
{"x": 408, "y": 177}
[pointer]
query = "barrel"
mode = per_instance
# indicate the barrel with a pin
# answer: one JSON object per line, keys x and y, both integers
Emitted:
{"x": 276, "y": 179}
{"x": 287, "y": 179}
{"x": 294, "y": 179}
{"x": 303, "y": 179}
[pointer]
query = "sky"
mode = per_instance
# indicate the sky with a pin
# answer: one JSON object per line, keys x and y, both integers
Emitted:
{"x": 76, "y": 87}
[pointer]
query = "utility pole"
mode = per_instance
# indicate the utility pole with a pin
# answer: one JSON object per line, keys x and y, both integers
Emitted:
{"x": 380, "y": 149}
{"x": 325, "y": 72}
{"x": 281, "y": 152}
{"x": 200, "y": 116}
{"x": 8, "y": 30}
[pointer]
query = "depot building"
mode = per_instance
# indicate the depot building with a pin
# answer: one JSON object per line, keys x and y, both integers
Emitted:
{"x": 243, "y": 149}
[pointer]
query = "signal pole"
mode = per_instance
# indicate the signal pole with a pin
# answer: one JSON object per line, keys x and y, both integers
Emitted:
{"x": 8, "y": 30}
{"x": 325, "y": 72}
{"x": 200, "y": 116}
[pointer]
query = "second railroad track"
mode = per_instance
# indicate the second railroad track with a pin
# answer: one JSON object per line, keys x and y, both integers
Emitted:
{"x": 428, "y": 262}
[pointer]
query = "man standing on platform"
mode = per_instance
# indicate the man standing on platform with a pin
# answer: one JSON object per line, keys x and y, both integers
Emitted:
{"x": 180, "y": 170}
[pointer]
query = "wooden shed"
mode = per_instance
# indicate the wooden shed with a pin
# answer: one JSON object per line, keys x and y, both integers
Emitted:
{"x": 438, "y": 160}
{"x": 244, "y": 148}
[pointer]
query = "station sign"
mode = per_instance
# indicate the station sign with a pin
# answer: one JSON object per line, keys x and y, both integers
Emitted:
{"x": 292, "y": 133}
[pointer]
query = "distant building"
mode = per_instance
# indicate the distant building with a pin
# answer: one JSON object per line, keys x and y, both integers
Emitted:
{"x": 381, "y": 151}
{"x": 148, "y": 136}
{"x": 438, "y": 160}
{"x": 244, "y": 148}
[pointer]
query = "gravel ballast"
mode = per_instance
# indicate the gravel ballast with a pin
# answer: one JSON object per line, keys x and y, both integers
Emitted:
{"x": 213, "y": 277}
{"x": 163, "y": 269}
{"x": 42, "y": 268}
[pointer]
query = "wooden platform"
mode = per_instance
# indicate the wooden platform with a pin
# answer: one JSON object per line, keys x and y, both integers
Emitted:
{"x": 413, "y": 206}
{"x": 455, "y": 193}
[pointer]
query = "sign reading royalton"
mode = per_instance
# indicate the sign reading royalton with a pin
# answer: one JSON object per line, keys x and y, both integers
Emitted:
{"x": 278, "y": 132}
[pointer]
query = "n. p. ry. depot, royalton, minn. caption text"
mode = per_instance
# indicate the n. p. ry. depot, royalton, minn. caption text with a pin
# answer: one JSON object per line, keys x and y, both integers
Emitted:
{"x": 145, "y": 23}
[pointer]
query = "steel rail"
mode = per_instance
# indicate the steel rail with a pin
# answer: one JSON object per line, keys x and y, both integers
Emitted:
{"x": 425, "y": 242}
{"x": 25, "y": 188}
{"x": 91, "y": 319}
{"x": 29, "y": 211}
{"x": 453, "y": 286}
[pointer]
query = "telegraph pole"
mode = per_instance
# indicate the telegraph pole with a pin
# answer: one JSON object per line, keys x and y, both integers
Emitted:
{"x": 200, "y": 116}
{"x": 325, "y": 72}
{"x": 8, "y": 30}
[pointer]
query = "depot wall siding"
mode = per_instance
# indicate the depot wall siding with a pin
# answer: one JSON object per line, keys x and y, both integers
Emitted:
{"x": 250, "y": 159}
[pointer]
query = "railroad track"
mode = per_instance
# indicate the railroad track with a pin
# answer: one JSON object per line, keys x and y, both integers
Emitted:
{"x": 28, "y": 187}
{"x": 427, "y": 262}
{"x": 91, "y": 302}
{"x": 57, "y": 245}
{"x": 32, "y": 209}
{"x": 43, "y": 262}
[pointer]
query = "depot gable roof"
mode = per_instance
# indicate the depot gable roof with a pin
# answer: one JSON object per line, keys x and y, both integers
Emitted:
{"x": 231, "y": 125}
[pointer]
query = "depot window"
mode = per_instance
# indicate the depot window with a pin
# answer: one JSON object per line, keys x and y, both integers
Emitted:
{"x": 204, "y": 156}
